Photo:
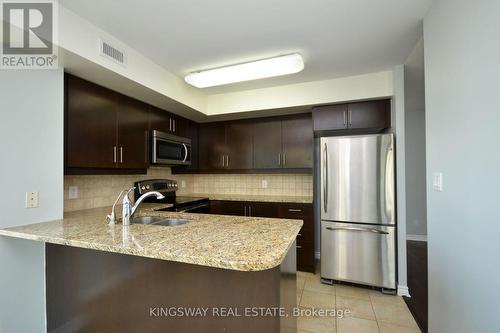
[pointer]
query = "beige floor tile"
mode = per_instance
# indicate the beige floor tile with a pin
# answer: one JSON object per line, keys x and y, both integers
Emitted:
{"x": 316, "y": 325}
{"x": 301, "y": 280}
{"x": 394, "y": 314}
{"x": 311, "y": 299}
{"x": 352, "y": 292}
{"x": 391, "y": 328}
{"x": 299, "y": 296}
{"x": 356, "y": 325}
{"x": 377, "y": 296}
{"x": 314, "y": 284}
{"x": 304, "y": 274}
{"x": 358, "y": 308}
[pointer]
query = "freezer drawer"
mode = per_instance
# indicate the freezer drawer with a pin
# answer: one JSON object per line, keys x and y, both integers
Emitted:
{"x": 359, "y": 253}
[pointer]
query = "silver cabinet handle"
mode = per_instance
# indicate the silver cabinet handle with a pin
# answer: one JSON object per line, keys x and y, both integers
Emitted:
{"x": 345, "y": 119}
{"x": 227, "y": 160}
{"x": 284, "y": 159}
{"x": 279, "y": 159}
{"x": 185, "y": 153}
{"x": 375, "y": 231}
{"x": 299, "y": 235}
{"x": 223, "y": 161}
{"x": 299, "y": 246}
{"x": 349, "y": 118}
{"x": 294, "y": 210}
{"x": 325, "y": 185}
{"x": 173, "y": 121}
{"x": 121, "y": 154}
{"x": 114, "y": 154}
{"x": 246, "y": 211}
{"x": 170, "y": 124}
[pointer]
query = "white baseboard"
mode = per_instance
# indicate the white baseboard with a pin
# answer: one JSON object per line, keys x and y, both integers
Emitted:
{"x": 403, "y": 291}
{"x": 418, "y": 238}
{"x": 317, "y": 255}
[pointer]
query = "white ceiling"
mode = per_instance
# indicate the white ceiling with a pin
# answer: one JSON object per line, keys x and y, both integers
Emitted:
{"x": 336, "y": 37}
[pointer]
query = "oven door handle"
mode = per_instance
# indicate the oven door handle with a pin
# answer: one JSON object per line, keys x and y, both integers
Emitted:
{"x": 185, "y": 153}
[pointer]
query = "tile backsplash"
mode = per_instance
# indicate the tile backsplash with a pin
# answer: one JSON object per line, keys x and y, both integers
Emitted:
{"x": 102, "y": 190}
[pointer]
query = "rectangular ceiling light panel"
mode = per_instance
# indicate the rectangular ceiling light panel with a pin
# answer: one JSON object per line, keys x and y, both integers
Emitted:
{"x": 254, "y": 70}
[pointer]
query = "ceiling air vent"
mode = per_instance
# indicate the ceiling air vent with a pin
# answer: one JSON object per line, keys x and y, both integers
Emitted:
{"x": 112, "y": 53}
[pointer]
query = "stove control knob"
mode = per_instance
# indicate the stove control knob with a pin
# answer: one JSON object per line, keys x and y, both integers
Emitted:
{"x": 143, "y": 188}
{"x": 147, "y": 187}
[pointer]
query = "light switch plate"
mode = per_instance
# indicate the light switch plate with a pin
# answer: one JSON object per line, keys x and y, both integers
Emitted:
{"x": 31, "y": 199}
{"x": 264, "y": 183}
{"x": 437, "y": 181}
{"x": 73, "y": 192}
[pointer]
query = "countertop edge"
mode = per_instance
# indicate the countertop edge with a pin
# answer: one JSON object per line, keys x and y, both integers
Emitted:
{"x": 234, "y": 265}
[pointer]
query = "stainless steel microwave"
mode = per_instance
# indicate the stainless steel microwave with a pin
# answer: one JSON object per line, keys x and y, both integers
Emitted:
{"x": 168, "y": 149}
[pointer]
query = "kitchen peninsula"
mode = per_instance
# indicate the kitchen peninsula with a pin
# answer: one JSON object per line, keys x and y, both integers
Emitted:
{"x": 104, "y": 278}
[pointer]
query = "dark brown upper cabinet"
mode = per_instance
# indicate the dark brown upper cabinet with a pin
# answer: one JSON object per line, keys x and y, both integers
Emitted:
{"x": 167, "y": 122}
{"x": 298, "y": 142}
{"x": 225, "y": 146}
{"x": 370, "y": 116}
{"x": 283, "y": 143}
{"x": 104, "y": 129}
{"x": 267, "y": 145}
{"x": 239, "y": 147}
{"x": 132, "y": 134}
{"x": 374, "y": 114}
{"x": 330, "y": 117}
{"x": 212, "y": 146}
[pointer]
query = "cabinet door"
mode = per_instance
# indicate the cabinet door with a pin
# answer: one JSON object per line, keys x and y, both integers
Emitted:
{"x": 374, "y": 114}
{"x": 222, "y": 207}
{"x": 262, "y": 209}
{"x": 132, "y": 134}
{"x": 305, "y": 238}
{"x": 159, "y": 120}
{"x": 180, "y": 126}
{"x": 298, "y": 142}
{"x": 212, "y": 145}
{"x": 330, "y": 117}
{"x": 239, "y": 146}
{"x": 267, "y": 144}
{"x": 90, "y": 124}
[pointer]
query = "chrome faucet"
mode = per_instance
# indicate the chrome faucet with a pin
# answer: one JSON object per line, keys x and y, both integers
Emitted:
{"x": 128, "y": 210}
{"x": 112, "y": 217}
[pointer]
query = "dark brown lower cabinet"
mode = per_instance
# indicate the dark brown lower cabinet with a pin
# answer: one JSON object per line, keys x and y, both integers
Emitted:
{"x": 305, "y": 238}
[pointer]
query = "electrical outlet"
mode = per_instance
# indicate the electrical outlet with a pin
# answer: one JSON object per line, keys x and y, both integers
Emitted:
{"x": 183, "y": 184}
{"x": 264, "y": 183}
{"x": 437, "y": 181}
{"x": 31, "y": 199}
{"x": 73, "y": 192}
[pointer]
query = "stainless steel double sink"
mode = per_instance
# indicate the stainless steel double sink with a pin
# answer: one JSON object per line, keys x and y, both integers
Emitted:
{"x": 158, "y": 220}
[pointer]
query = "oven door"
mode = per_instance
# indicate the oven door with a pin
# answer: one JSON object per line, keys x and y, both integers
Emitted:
{"x": 170, "y": 150}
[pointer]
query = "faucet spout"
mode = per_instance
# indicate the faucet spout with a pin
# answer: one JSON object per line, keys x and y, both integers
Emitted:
{"x": 158, "y": 195}
{"x": 129, "y": 210}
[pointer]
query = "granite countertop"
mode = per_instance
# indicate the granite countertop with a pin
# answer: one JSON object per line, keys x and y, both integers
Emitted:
{"x": 229, "y": 242}
{"x": 255, "y": 198}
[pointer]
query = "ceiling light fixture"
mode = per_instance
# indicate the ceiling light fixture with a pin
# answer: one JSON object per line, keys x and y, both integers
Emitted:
{"x": 282, "y": 65}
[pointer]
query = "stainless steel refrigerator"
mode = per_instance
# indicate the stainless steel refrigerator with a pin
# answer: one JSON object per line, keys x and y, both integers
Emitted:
{"x": 358, "y": 216}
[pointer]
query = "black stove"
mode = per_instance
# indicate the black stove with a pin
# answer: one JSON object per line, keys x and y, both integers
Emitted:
{"x": 168, "y": 188}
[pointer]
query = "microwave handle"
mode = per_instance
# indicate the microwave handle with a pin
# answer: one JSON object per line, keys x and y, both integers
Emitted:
{"x": 185, "y": 153}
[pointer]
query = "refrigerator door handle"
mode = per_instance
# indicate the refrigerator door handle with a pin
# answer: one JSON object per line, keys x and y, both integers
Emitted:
{"x": 325, "y": 183}
{"x": 375, "y": 231}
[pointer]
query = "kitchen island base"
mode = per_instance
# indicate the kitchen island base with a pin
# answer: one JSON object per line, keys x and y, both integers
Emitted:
{"x": 96, "y": 291}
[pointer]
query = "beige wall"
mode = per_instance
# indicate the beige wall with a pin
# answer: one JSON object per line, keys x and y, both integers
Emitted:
{"x": 102, "y": 190}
